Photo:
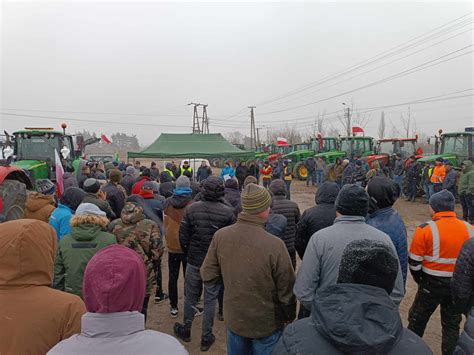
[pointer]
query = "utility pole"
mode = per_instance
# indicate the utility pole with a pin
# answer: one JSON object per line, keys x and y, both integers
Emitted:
{"x": 258, "y": 137}
{"x": 196, "y": 128}
{"x": 205, "y": 120}
{"x": 253, "y": 135}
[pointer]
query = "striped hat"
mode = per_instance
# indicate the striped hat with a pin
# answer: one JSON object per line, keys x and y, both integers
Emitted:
{"x": 255, "y": 199}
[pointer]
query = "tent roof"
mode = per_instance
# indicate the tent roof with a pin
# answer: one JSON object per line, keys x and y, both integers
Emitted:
{"x": 190, "y": 145}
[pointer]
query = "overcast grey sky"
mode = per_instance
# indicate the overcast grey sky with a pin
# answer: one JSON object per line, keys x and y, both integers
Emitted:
{"x": 155, "y": 57}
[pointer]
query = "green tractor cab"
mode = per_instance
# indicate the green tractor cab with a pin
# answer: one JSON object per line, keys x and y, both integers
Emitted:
{"x": 328, "y": 149}
{"x": 34, "y": 151}
{"x": 357, "y": 146}
{"x": 454, "y": 147}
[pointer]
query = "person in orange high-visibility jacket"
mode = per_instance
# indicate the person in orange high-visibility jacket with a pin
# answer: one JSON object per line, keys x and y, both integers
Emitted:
{"x": 433, "y": 254}
{"x": 266, "y": 172}
{"x": 438, "y": 175}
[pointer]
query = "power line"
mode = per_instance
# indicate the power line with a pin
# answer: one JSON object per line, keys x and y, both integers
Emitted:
{"x": 373, "y": 69}
{"x": 383, "y": 54}
{"x": 93, "y": 121}
{"x": 96, "y": 113}
{"x": 383, "y": 80}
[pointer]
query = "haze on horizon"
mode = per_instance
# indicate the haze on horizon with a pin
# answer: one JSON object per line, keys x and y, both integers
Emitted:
{"x": 125, "y": 66}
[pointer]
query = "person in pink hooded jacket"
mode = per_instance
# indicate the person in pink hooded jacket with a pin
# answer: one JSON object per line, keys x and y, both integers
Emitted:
{"x": 113, "y": 290}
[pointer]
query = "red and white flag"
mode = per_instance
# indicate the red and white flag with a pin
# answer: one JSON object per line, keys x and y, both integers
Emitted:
{"x": 105, "y": 139}
{"x": 59, "y": 173}
{"x": 282, "y": 141}
{"x": 356, "y": 129}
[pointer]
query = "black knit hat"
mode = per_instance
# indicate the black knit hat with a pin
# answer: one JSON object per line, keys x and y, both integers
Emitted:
{"x": 91, "y": 185}
{"x": 212, "y": 188}
{"x": 352, "y": 200}
{"x": 72, "y": 197}
{"x": 369, "y": 262}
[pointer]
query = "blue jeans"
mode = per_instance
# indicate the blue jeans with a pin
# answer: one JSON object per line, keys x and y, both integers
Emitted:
{"x": 426, "y": 187}
{"x": 237, "y": 345}
{"x": 319, "y": 177}
{"x": 310, "y": 177}
{"x": 399, "y": 180}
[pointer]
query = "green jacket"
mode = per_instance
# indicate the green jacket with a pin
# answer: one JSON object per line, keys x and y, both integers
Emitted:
{"x": 74, "y": 252}
{"x": 466, "y": 180}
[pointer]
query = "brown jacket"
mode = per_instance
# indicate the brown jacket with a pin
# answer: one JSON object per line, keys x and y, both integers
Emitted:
{"x": 173, "y": 212}
{"x": 39, "y": 206}
{"x": 34, "y": 317}
{"x": 258, "y": 294}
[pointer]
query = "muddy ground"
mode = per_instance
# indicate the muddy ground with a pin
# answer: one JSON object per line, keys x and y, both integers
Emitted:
{"x": 413, "y": 215}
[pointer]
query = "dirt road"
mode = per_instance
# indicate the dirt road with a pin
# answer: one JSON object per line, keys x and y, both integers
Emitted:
{"x": 413, "y": 214}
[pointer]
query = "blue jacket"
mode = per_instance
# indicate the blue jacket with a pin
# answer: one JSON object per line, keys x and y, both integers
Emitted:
{"x": 227, "y": 171}
{"x": 60, "y": 220}
{"x": 390, "y": 222}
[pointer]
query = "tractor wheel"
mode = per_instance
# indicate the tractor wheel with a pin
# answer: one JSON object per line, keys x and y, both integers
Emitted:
{"x": 300, "y": 171}
{"x": 13, "y": 195}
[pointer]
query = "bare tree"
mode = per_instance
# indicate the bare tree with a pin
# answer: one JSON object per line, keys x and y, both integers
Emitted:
{"x": 382, "y": 126}
{"x": 235, "y": 137}
{"x": 408, "y": 124}
{"x": 357, "y": 118}
{"x": 289, "y": 132}
{"x": 319, "y": 122}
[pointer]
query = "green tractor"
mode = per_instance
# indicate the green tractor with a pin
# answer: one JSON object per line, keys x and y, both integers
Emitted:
{"x": 327, "y": 149}
{"x": 34, "y": 150}
{"x": 324, "y": 147}
{"x": 455, "y": 147}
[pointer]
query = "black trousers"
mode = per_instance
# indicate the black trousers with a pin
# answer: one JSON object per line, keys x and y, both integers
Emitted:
{"x": 175, "y": 261}
{"x": 467, "y": 203}
{"x": 425, "y": 303}
{"x": 158, "y": 278}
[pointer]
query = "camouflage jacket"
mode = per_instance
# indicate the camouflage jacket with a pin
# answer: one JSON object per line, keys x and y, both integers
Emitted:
{"x": 142, "y": 235}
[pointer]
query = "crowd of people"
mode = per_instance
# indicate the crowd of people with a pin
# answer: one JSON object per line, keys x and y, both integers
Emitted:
{"x": 79, "y": 271}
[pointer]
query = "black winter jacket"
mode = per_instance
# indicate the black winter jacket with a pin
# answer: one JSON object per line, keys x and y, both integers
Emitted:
{"x": 202, "y": 219}
{"x": 115, "y": 197}
{"x": 318, "y": 217}
{"x": 351, "y": 319}
{"x": 462, "y": 282}
{"x": 232, "y": 197}
{"x": 291, "y": 211}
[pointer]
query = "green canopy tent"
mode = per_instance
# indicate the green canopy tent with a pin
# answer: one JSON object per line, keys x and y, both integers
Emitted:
{"x": 169, "y": 145}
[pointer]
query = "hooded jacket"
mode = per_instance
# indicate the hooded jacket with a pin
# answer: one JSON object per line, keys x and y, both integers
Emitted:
{"x": 318, "y": 217}
{"x": 114, "y": 284}
{"x": 466, "y": 181}
{"x": 61, "y": 216}
{"x": 138, "y": 185}
{"x": 287, "y": 208}
{"x": 39, "y": 206}
{"x": 258, "y": 293}
{"x": 139, "y": 234}
{"x": 174, "y": 208}
{"x": 74, "y": 252}
{"x": 35, "y": 317}
{"x": 60, "y": 220}
{"x": 383, "y": 193}
{"x": 351, "y": 319}
{"x": 320, "y": 266}
{"x": 202, "y": 219}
